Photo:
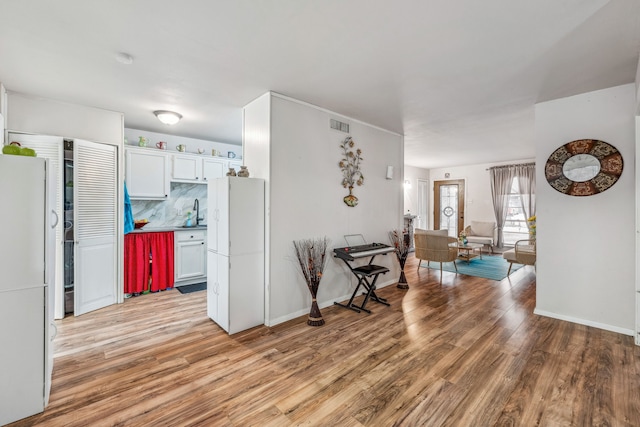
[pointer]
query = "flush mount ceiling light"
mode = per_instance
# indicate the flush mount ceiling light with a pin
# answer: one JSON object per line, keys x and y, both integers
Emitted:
{"x": 168, "y": 117}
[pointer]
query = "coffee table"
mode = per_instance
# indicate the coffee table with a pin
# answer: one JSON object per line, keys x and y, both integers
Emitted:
{"x": 465, "y": 250}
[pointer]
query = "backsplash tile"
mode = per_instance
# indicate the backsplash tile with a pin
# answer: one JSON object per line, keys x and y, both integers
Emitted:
{"x": 164, "y": 213}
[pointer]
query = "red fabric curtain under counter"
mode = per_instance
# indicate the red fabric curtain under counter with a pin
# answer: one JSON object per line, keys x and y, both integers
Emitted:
{"x": 136, "y": 265}
{"x": 162, "y": 268}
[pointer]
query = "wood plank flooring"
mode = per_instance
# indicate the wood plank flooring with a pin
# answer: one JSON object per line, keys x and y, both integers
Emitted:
{"x": 461, "y": 351}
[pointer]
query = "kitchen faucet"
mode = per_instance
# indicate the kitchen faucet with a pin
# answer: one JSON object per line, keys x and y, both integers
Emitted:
{"x": 196, "y": 207}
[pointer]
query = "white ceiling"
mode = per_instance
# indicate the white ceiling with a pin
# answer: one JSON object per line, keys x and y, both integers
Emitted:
{"x": 458, "y": 79}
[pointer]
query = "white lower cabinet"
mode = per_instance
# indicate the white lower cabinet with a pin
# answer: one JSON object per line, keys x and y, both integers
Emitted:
{"x": 190, "y": 256}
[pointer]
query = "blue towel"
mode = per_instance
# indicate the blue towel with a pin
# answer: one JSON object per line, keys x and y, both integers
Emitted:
{"x": 128, "y": 215}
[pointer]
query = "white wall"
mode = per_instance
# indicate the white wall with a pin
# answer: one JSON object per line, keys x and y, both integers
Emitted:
{"x": 133, "y": 136}
{"x": 306, "y": 197}
{"x": 586, "y": 245}
{"x": 41, "y": 116}
{"x": 478, "y": 202}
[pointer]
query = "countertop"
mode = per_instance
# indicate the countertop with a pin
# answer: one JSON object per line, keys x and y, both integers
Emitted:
{"x": 148, "y": 229}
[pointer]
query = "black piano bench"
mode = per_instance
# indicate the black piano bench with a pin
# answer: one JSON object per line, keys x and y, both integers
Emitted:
{"x": 363, "y": 273}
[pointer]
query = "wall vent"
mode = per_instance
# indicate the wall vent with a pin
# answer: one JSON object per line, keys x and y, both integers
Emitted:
{"x": 342, "y": 127}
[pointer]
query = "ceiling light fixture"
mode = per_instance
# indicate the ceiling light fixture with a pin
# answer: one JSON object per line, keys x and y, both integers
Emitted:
{"x": 168, "y": 117}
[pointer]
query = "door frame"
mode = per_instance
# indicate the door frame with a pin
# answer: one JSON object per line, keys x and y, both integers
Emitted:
{"x": 436, "y": 202}
{"x": 423, "y": 185}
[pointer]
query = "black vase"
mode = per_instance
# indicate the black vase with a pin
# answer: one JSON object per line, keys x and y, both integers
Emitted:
{"x": 402, "y": 282}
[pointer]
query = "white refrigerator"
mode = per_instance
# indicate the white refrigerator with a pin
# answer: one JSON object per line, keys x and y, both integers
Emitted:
{"x": 27, "y": 244}
{"x": 235, "y": 252}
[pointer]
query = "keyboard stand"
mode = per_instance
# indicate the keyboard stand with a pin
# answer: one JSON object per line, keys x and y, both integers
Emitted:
{"x": 363, "y": 274}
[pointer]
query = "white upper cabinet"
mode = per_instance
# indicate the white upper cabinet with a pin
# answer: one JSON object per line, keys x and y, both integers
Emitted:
{"x": 186, "y": 168}
{"x": 213, "y": 168}
{"x": 146, "y": 174}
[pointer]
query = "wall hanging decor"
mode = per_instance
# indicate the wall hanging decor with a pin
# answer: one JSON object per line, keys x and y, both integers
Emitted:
{"x": 350, "y": 166}
{"x": 311, "y": 256}
{"x": 584, "y": 167}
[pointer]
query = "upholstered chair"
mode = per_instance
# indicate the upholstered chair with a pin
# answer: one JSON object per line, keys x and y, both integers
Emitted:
{"x": 433, "y": 245}
{"x": 481, "y": 232}
{"x": 524, "y": 252}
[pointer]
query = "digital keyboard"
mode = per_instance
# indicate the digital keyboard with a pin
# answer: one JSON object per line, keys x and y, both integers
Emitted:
{"x": 349, "y": 253}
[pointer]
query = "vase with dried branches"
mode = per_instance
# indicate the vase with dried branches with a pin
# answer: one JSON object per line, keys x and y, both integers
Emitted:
{"x": 350, "y": 166}
{"x": 401, "y": 244}
{"x": 311, "y": 256}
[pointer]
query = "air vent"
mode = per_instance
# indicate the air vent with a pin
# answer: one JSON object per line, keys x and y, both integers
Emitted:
{"x": 342, "y": 127}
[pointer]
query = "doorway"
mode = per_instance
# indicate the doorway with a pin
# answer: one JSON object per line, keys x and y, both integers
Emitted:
{"x": 448, "y": 206}
{"x": 423, "y": 204}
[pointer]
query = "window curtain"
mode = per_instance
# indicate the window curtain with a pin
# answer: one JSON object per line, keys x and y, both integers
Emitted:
{"x": 527, "y": 188}
{"x": 501, "y": 180}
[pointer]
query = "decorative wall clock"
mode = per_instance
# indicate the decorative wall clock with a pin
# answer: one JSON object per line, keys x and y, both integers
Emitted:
{"x": 584, "y": 167}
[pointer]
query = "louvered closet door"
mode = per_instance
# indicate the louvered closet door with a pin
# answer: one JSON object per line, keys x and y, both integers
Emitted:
{"x": 52, "y": 148}
{"x": 95, "y": 199}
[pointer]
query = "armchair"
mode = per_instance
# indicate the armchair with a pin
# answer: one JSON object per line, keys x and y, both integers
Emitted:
{"x": 524, "y": 252}
{"x": 481, "y": 232}
{"x": 433, "y": 245}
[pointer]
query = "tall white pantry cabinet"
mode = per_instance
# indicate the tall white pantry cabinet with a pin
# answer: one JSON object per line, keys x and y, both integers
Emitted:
{"x": 235, "y": 253}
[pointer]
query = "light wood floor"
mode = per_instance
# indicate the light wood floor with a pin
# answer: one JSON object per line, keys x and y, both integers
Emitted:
{"x": 464, "y": 352}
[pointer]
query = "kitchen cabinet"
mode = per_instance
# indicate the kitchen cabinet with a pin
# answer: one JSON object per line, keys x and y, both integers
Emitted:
{"x": 146, "y": 174}
{"x": 186, "y": 168}
{"x": 190, "y": 256}
{"x": 235, "y": 255}
{"x": 214, "y": 168}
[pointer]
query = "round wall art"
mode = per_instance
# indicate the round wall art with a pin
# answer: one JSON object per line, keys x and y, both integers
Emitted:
{"x": 584, "y": 167}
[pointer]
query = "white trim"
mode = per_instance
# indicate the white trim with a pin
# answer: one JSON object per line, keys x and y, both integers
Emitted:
{"x": 598, "y": 325}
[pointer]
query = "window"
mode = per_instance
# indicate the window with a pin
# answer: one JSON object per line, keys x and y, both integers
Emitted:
{"x": 515, "y": 226}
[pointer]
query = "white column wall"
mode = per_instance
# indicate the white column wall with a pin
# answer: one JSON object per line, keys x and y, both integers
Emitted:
{"x": 586, "y": 245}
{"x": 306, "y": 198}
{"x": 256, "y": 142}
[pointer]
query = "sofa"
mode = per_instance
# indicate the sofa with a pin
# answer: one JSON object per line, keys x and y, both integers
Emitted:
{"x": 481, "y": 232}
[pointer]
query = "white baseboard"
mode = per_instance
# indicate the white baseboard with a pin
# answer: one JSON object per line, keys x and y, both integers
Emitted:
{"x": 598, "y": 325}
{"x": 322, "y": 304}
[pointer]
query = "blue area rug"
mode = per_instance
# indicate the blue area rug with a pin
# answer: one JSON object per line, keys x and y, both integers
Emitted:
{"x": 489, "y": 267}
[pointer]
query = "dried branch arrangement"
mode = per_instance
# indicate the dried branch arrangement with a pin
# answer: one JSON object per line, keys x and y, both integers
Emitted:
{"x": 311, "y": 255}
{"x": 401, "y": 242}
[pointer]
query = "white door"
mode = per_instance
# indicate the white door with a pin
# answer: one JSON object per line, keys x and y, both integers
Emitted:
{"x": 95, "y": 198}
{"x": 212, "y": 284}
{"x": 52, "y": 148}
{"x": 223, "y": 292}
{"x": 222, "y": 216}
{"x": 423, "y": 204}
